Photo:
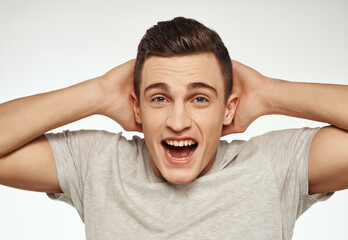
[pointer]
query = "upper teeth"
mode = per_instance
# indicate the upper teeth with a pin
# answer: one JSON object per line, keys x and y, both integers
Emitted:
{"x": 180, "y": 143}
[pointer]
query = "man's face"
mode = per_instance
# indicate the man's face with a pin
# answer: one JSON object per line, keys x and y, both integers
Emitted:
{"x": 182, "y": 112}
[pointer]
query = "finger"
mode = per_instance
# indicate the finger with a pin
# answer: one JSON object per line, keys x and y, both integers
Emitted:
{"x": 236, "y": 64}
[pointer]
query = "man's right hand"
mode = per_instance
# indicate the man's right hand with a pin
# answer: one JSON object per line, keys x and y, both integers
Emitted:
{"x": 116, "y": 88}
{"x": 26, "y": 158}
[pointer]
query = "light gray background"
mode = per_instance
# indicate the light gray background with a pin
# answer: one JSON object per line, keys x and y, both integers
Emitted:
{"x": 46, "y": 45}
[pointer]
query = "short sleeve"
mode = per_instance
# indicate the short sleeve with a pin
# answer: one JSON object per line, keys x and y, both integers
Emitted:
{"x": 287, "y": 152}
{"x": 73, "y": 150}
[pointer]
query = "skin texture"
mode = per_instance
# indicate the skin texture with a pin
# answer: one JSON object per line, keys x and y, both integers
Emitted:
{"x": 260, "y": 95}
{"x": 171, "y": 109}
{"x": 27, "y": 162}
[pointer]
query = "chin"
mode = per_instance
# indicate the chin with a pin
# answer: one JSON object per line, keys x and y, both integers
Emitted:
{"x": 179, "y": 178}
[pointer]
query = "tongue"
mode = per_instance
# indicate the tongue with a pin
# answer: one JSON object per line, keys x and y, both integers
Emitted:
{"x": 179, "y": 152}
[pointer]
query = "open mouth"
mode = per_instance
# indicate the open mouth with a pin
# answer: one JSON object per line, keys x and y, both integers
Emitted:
{"x": 179, "y": 150}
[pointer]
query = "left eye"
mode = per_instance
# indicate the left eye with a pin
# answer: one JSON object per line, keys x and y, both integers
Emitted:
{"x": 200, "y": 99}
{"x": 158, "y": 99}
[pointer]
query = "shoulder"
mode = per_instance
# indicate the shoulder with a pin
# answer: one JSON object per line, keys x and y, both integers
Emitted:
{"x": 285, "y": 139}
{"x": 92, "y": 139}
{"x": 285, "y": 133}
{"x": 273, "y": 145}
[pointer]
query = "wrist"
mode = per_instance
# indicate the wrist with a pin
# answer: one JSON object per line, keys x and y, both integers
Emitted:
{"x": 108, "y": 97}
{"x": 264, "y": 96}
{"x": 100, "y": 95}
{"x": 88, "y": 98}
{"x": 271, "y": 95}
{"x": 284, "y": 97}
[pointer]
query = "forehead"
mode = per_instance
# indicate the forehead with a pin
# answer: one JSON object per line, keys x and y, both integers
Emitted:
{"x": 182, "y": 70}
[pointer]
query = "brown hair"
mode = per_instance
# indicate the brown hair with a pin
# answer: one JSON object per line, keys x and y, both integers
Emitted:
{"x": 182, "y": 36}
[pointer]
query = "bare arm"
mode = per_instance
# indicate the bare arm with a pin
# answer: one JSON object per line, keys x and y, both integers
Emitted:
{"x": 315, "y": 101}
{"x": 25, "y": 119}
{"x": 328, "y": 153}
{"x": 26, "y": 159}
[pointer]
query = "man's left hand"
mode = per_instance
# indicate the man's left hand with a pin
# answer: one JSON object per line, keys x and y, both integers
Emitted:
{"x": 250, "y": 87}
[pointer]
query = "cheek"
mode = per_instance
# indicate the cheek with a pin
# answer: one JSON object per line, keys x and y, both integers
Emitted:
{"x": 152, "y": 120}
{"x": 209, "y": 123}
{"x": 208, "y": 118}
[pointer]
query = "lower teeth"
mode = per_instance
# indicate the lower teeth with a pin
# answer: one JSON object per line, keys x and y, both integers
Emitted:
{"x": 179, "y": 159}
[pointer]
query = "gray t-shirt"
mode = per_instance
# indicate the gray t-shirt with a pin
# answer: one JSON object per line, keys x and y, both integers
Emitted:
{"x": 256, "y": 189}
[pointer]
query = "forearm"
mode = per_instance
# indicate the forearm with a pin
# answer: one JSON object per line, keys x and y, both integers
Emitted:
{"x": 24, "y": 119}
{"x": 320, "y": 102}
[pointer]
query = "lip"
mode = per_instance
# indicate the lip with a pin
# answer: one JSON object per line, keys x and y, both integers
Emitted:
{"x": 174, "y": 162}
{"x": 179, "y": 138}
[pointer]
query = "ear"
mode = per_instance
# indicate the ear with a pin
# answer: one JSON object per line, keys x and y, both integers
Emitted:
{"x": 135, "y": 106}
{"x": 231, "y": 107}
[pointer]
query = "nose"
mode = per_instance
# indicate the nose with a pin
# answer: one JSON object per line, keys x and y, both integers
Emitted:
{"x": 178, "y": 118}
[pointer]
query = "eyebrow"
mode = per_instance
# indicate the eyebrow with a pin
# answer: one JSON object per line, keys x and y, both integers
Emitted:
{"x": 190, "y": 87}
{"x": 195, "y": 85}
{"x": 162, "y": 86}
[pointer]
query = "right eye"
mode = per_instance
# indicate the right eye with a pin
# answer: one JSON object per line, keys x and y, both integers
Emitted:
{"x": 158, "y": 99}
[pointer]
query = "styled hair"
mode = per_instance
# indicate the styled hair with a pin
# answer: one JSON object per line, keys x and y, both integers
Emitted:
{"x": 178, "y": 37}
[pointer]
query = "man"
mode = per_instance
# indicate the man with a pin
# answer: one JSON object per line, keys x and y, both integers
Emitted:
{"x": 180, "y": 181}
